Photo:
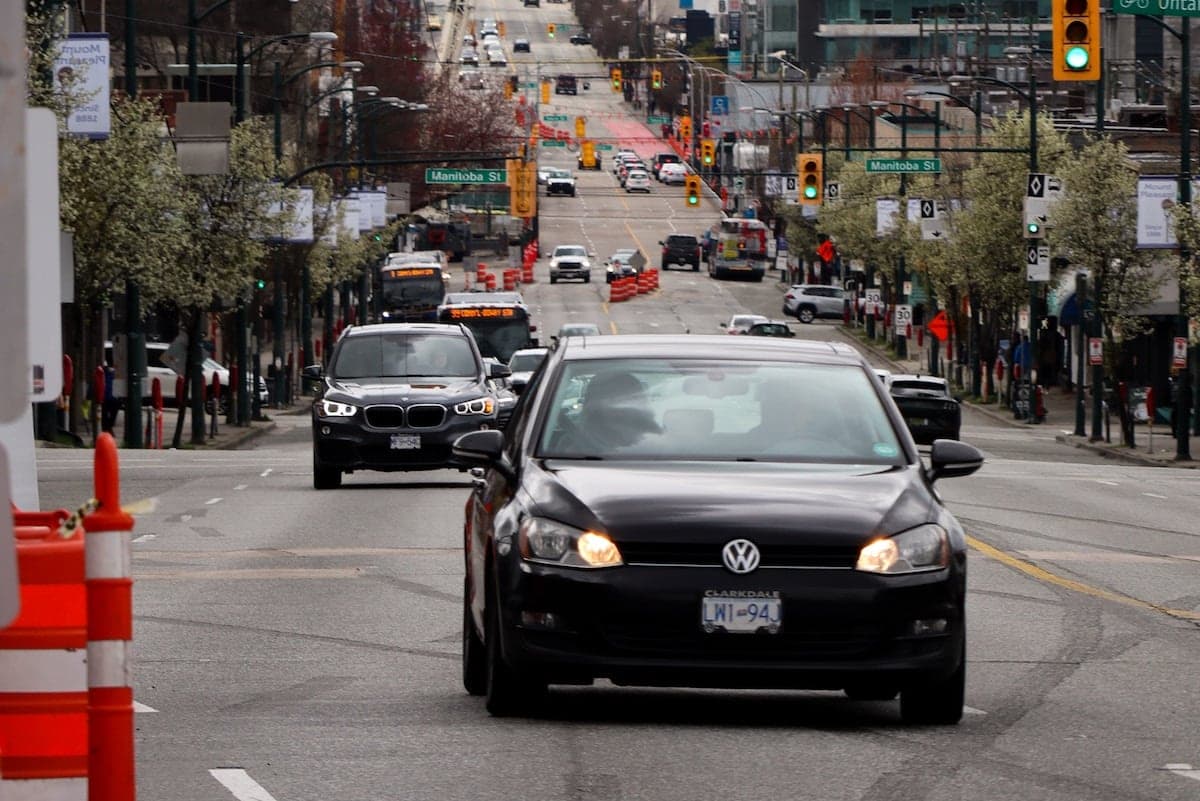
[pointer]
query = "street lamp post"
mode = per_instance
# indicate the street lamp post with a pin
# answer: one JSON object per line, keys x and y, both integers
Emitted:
{"x": 194, "y": 19}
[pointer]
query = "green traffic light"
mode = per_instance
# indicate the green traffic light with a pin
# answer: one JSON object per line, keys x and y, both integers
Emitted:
{"x": 260, "y": 284}
{"x": 1077, "y": 58}
{"x": 693, "y": 200}
{"x": 810, "y": 192}
{"x": 1034, "y": 228}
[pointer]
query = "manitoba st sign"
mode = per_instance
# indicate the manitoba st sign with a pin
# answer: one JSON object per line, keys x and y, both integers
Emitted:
{"x": 904, "y": 165}
{"x": 442, "y": 175}
{"x": 1168, "y": 8}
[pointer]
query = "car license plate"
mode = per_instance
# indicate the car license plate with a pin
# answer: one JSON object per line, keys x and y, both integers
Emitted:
{"x": 406, "y": 442}
{"x": 732, "y": 612}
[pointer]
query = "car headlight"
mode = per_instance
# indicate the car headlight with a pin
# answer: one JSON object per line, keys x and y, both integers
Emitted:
{"x": 543, "y": 540}
{"x": 925, "y": 547}
{"x": 334, "y": 409}
{"x": 476, "y": 406}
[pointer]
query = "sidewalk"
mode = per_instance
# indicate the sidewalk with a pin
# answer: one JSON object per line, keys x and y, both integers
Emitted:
{"x": 228, "y": 437}
{"x": 1060, "y": 417}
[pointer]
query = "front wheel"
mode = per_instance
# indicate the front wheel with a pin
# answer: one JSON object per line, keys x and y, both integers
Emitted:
{"x": 474, "y": 655}
{"x": 507, "y": 692}
{"x": 805, "y": 315}
{"x": 938, "y": 702}
{"x": 324, "y": 476}
{"x": 696, "y": 267}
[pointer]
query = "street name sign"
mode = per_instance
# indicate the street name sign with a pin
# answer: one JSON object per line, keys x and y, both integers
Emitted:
{"x": 555, "y": 118}
{"x": 904, "y": 165}
{"x": 553, "y": 143}
{"x": 1170, "y": 8}
{"x": 657, "y": 120}
{"x": 604, "y": 147}
{"x": 443, "y": 175}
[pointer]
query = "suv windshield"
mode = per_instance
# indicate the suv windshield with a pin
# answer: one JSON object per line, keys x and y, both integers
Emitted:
{"x": 404, "y": 356}
{"x": 569, "y": 250}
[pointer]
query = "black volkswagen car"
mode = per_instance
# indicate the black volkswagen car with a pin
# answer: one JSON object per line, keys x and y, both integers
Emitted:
{"x": 396, "y": 396}
{"x": 712, "y": 512}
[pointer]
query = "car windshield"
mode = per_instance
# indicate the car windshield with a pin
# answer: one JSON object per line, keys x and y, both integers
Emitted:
{"x": 921, "y": 386}
{"x": 579, "y": 329}
{"x": 404, "y": 355}
{"x": 525, "y": 362}
{"x": 569, "y": 250}
{"x": 691, "y": 409}
{"x": 554, "y": 172}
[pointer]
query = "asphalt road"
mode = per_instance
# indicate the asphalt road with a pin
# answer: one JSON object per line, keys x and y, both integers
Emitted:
{"x": 294, "y": 645}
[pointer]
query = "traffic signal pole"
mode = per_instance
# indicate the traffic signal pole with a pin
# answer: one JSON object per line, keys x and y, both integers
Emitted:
{"x": 1184, "y": 401}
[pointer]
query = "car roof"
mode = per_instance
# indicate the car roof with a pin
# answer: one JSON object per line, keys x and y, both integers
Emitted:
{"x": 706, "y": 346}
{"x": 917, "y": 377}
{"x": 530, "y": 352}
{"x": 452, "y": 329}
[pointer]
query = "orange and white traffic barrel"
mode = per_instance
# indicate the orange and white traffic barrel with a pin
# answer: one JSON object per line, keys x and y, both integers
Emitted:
{"x": 109, "y": 581}
{"x": 43, "y": 673}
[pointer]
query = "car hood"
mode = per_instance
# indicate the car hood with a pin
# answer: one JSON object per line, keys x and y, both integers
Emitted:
{"x": 390, "y": 390}
{"x": 838, "y": 506}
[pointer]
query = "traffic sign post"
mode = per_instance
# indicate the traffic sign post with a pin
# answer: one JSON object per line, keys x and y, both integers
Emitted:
{"x": 1037, "y": 262}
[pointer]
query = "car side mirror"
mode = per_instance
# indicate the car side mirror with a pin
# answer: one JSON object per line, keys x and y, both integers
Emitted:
{"x": 720, "y": 325}
{"x": 949, "y": 458}
{"x": 313, "y": 372}
{"x": 483, "y": 448}
{"x": 498, "y": 370}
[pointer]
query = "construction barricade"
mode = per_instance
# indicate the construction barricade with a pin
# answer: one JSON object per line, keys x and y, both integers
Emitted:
{"x": 510, "y": 279}
{"x": 66, "y": 696}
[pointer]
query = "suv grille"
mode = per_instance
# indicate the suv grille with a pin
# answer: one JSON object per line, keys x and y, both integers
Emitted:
{"x": 709, "y": 555}
{"x": 384, "y": 416}
{"x": 427, "y": 415}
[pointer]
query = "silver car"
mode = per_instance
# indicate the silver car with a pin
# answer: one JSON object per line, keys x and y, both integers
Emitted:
{"x": 808, "y": 302}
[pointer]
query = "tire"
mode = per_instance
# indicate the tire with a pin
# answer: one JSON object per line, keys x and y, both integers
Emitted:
{"x": 696, "y": 267}
{"x": 938, "y": 702}
{"x": 554, "y": 279}
{"x": 507, "y": 693}
{"x": 324, "y": 476}
{"x": 663, "y": 267}
{"x": 474, "y": 655}
{"x": 806, "y": 314}
{"x": 587, "y": 279}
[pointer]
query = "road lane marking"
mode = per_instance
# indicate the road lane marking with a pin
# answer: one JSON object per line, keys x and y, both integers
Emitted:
{"x": 970, "y": 710}
{"x": 184, "y": 518}
{"x": 140, "y": 707}
{"x": 240, "y": 487}
{"x": 265, "y": 473}
{"x": 238, "y": 782}
{"x": 1108, "y": 483}
{"x": 145, "y": 538}
{"x": 1040, "y": 574}
{"x": 1183, "y": 769}
{"x": 1152, "y": 495}
{"x": 211, "y": 501}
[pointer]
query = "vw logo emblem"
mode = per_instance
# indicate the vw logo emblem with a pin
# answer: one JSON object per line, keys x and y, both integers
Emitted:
{"x": 740, "y": 556}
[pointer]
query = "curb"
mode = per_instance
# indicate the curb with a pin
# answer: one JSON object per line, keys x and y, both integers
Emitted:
{"x": 1122, "y": 454}
{"x": 244, "y": 436}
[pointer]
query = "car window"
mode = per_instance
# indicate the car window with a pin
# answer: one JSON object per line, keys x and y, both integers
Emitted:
{"x": 525, "y": 362}
{"x": 404, "y": 356}
{"x": 569, "y": 250}
{"x": 717, "y": 410}
{"x": 924, "y": 386}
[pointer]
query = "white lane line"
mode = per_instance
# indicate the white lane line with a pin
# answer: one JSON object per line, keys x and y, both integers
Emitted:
{"x": 265, "y": 473}
{"x": 184, "y": 518}
{"x": 970, "y": 710}
{"x": 1152, "y": 495}
{"x": 211, "y": 501}
{"x": 1108, "y": 483}
{"x": 145, "y": 538}
{"x": 239, "y": 783}
{"x": 140, "y": 707}
{"x": 239, "y": 487}
{"x": 1183, "y": 769}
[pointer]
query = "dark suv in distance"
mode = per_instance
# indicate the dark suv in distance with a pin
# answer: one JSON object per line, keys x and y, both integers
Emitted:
{"x": 565, "y": 85}
{"x": 681, "y": 249}
{"x": 396, "y": 396}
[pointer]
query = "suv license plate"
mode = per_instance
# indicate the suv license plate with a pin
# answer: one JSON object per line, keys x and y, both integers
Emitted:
{"x": 406, "y": 442}
{"x": 741, "y": 615}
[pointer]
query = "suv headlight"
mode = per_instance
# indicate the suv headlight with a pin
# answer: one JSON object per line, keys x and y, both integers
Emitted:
{"x": 922, "y": 548}
{"x": 335, "y": 409}
{"x": 543, "y": 540}
{"x": 476, "y": 406}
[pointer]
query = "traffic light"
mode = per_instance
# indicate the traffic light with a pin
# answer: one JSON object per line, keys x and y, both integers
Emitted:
{"x": 691, "y": 184}
{"x": 685, "y": 128}
{"x": 545, "y": 92}
{"x": 508, "y": 90}
{"x": 708, "y": 152}
{"x": 656, "y": 80}
{"x": 580, "y": 127}
{"x": 811, "y": 180}
{"x": 260, "y": 284}
{"x": 615, "y": 76}
{"x": 550, "y": 29}
{"x": 1076, "y": 31}
{"x": 523, "y": 192}
{"x": 1033, "y": 230}
{"x": 587, "y": 155}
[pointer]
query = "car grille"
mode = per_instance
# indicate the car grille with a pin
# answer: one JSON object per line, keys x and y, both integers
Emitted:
{"x": 426, "y": 415}
{"x": 384, "y": 416}
{"x": 709, "y": 555}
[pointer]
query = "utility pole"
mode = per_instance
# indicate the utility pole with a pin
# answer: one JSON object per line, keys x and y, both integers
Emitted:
{"x": 134, "y": 340}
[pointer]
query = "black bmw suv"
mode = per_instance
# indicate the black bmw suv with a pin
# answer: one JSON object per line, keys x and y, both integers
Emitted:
{"x": 396, "y": 396}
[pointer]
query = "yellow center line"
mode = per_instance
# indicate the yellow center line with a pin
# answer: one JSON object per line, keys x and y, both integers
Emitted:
{"x": 1041, "y": 574}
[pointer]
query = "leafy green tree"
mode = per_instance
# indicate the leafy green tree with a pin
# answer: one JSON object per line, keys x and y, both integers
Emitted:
{"x": 1094, "y": 226}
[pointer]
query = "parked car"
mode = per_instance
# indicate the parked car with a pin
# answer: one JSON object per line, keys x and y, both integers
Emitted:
{"x": 774, "y": 328}
{"x": 681, "y": 249}
{"x": 929, "y": 409}
{"x": 808, "y": 302}
{"x": 740, "y": 323}
{"x": 396, "y": 396}
{"x": 688, "y": 511}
